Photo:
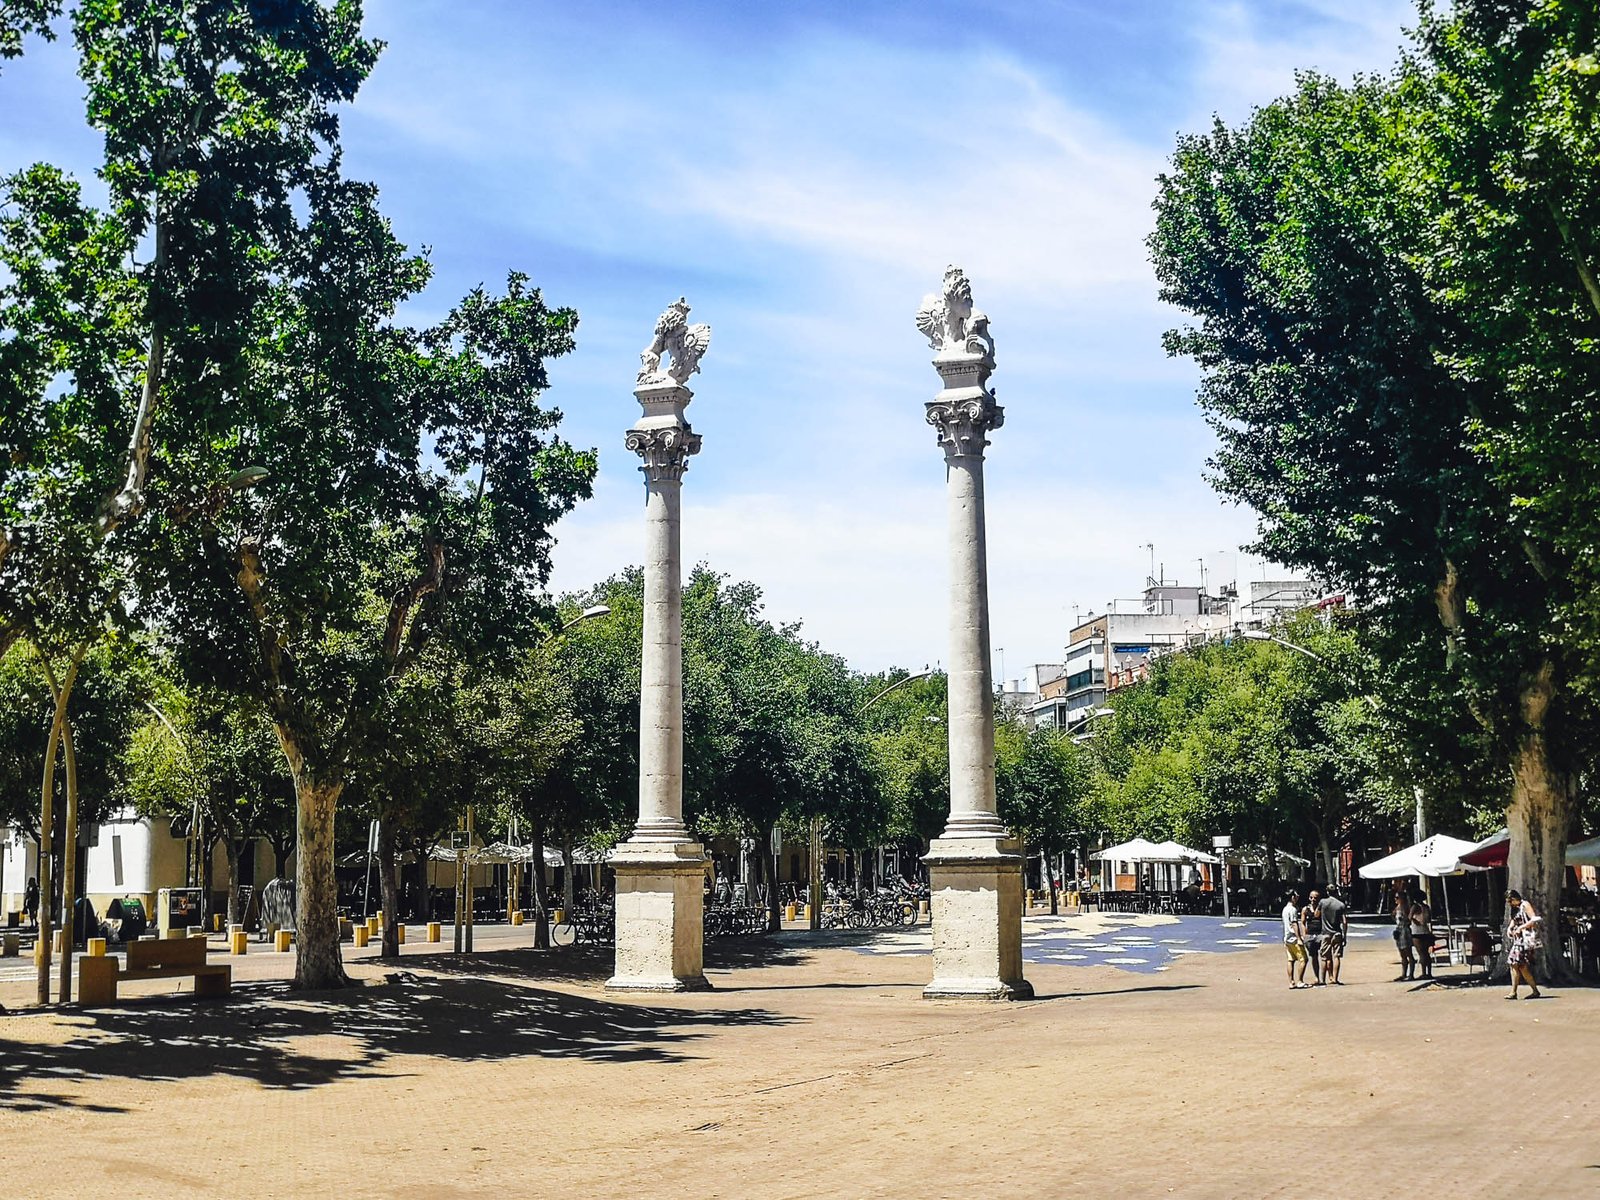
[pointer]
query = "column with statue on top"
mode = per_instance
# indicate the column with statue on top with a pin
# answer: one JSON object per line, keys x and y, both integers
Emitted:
{"x": 660, "y": 869}
{"x": 975, "y": 865}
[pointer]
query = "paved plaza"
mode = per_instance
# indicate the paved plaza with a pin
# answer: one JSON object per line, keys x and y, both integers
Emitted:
{"x": 813, "y": 1069}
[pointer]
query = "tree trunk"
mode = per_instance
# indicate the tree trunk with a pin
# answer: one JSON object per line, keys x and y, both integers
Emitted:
{"x": 318, "y": 960}
{"x": 541, "y": 920}
{"x": 47, "y": 796}
{"x": 389, "y": 889}
{"x": 234, "y": 848}
{"x": 69, "y": 864}
{"x": 1539, "y": 818}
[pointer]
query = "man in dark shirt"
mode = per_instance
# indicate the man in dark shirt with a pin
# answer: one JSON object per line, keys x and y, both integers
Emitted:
{"x": 1334, "y": 920}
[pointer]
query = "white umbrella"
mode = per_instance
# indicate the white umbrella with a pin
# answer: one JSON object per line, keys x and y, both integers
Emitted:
{"x": 1138, "y": 850}
{"x": 1176, "y": 852}
{"x": 1435, "y": 857}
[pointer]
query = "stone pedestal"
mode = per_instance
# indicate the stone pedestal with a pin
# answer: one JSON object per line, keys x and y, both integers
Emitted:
{"x": 660, "y": 944}
{"x": 977, "y": 919}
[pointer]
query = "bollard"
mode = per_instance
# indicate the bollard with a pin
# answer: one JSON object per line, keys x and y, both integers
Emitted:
{"x": 559, "y": 917}
{"x": 95, "y": 947}
{"x": 516, "y": 916}
{"x": 216, "y": 922}
{"x": 363, "y": 935}
{"x": 238, "y": 942}
{"x": 922, "y": 908}
{"x": 283, "y": 939}
{"x": 55, "y": 941}
{"x": 400, "y": 934}
{"x": 371, "y": 927}
{"x": 12, "y": 947}
{"x": 790, "y": 913}
{"x": 434, "y": 931}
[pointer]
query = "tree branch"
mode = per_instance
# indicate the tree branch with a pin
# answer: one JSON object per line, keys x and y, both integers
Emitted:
{"x": 1585, "y": 272}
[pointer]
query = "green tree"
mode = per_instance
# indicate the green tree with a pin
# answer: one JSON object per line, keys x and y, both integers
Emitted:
{"x": 1391, "y": 432}
{"x": 413, "y": 480}
{"x": 1042, "y": 779}
{"x": 202, "y": 753}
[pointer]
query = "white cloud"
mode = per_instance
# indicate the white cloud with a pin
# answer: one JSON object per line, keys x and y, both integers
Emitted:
{"x": 812, "y": 191}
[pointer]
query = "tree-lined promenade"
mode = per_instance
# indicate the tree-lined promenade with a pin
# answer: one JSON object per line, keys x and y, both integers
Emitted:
{"x": 273, "y": 555}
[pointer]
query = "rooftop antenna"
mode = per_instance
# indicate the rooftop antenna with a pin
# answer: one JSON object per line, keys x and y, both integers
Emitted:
{"x": 1202, "y": 563}
{"x": 1151, "y": 546}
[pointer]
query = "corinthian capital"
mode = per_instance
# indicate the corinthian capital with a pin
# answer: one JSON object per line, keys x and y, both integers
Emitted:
{"x": 665, "y": 451}
{"x": 963, "y": 424}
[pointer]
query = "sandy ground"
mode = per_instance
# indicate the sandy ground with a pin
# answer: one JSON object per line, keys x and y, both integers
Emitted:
{"x": 809, "y": 1071}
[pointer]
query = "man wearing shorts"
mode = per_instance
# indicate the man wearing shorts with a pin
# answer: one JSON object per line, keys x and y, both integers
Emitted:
{"x": 1294, "y": 941}
{"x": 1313, "y": 935}
{"x": 1334, "y": 920}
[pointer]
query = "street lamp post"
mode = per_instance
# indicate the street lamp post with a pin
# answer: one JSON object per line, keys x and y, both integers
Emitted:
{"x": 975, "y": 866}
{"x": 660, "y": 870}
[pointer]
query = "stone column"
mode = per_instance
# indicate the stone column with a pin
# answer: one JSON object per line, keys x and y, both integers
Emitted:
{"x": 660, "y": 869}
{"x": 975, "y": 867}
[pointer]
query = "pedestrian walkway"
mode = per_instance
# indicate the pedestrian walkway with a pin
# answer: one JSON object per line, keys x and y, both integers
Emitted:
{"x": 1139, "y": 942}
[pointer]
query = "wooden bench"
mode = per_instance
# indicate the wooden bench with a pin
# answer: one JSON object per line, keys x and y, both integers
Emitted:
{"x": 98, "y": 977}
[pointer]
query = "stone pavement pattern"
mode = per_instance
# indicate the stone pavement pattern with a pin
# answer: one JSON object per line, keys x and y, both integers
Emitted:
{"x": 806, "y": 1073}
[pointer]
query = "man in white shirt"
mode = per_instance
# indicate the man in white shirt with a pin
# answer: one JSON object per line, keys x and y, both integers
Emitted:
{"x": 1294, "y": 943}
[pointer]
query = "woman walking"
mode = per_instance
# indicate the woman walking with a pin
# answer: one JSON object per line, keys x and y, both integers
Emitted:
{"x": 1522, "y": 943}
{"x": 1421, "y": 919}
{"x": 1402, "y": 933}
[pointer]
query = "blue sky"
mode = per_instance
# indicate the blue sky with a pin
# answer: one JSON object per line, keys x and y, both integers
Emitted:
{"x": 802, "y": 173}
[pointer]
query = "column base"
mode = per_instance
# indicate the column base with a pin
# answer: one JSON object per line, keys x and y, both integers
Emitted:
{"x": 977, "y": 919}
{"x": 660, "y": 930}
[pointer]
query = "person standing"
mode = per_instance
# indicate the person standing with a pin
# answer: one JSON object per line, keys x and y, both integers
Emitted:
{"x": 1334, "y": 921}
{"x": 1294, "y": 944}
{"x": 30, "y": 900}
{"x": 1402, "y": 932}
{"x": 1311, "y": 929}
{"x": 1522, "y": 944}
{"x": 1421, "y": 922}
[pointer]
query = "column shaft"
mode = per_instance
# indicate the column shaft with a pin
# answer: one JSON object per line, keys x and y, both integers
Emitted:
{"x": 661, "y": 671}
{"x": 971, "y": 692}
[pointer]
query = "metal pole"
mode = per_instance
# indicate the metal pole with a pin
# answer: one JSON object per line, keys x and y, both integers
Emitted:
{"x": 814, "y": 915}
{"x": 469, "y": 901}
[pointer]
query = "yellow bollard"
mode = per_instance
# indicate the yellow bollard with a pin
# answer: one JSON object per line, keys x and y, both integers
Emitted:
{"x": 96, "y": 948}
{"x": 434, "y": 931}
{"x": 56, "y": 941}
{"x": 516, "y": 916}
{"x": 559, "y": 917}
{"x": 363, "y": 935}
{"x": 790, "y": 913}
{"x": 216, "y": 922}
{"x": 400, "y": 934}
{"x": 238, "y": 942}
{"x": 283, "y": 940}
{"x": 371, "y": 927}
{"x": 922, "y": 908}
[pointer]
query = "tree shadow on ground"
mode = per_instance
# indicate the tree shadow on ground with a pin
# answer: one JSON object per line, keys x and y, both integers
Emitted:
{"x": 256, "y": 1035}
{"x": 595, "y": 964}
{"x": 1127, "y": 991}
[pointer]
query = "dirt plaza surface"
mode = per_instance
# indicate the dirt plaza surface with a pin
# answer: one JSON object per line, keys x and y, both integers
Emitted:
{"x": 813, "y": 1069}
